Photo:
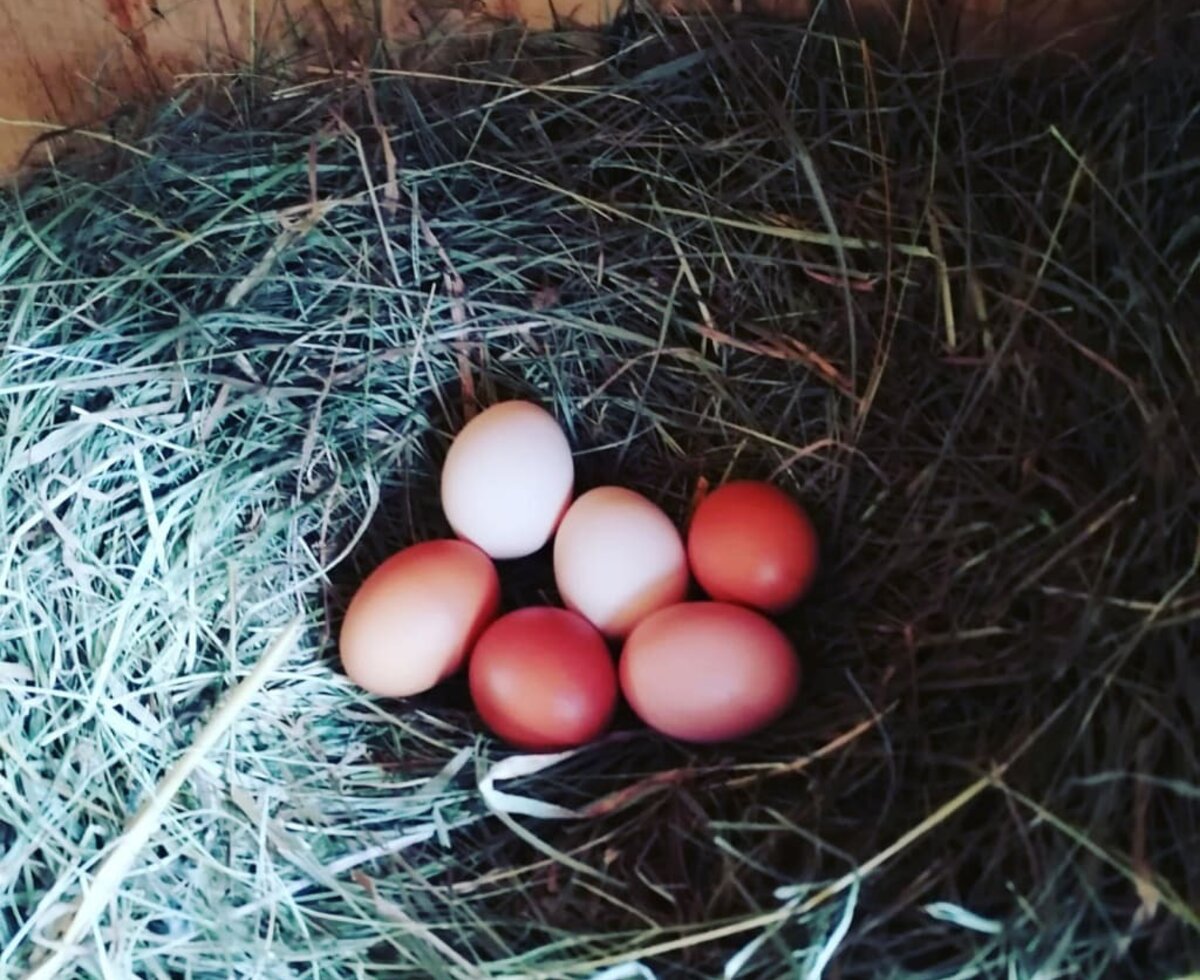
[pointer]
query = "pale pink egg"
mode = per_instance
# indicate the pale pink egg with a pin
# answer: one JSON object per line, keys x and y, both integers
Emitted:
{"x": 618, "y": 558}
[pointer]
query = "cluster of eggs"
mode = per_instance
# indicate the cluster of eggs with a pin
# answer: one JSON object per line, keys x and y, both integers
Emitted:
{"x": 543, "y": 677}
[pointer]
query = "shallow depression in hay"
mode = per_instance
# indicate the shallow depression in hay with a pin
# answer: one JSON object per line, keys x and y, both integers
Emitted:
{"x": 953, "y": 313}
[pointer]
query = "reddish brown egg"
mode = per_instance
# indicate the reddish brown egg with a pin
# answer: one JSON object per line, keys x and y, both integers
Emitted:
{"x": 708, "y": 671}
{"x": 412, "y": 621}
{"x": 750, "y": 543}
{"x": 543, "y": 679}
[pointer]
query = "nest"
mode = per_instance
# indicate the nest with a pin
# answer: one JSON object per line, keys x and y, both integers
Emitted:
{"x": 955, "y": 314}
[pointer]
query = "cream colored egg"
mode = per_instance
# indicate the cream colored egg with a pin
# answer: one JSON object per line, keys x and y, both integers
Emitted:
{"x": 507, "y": 479}
{"x": 618, "y": 558}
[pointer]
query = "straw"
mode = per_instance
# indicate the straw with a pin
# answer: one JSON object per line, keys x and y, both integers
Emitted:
{"x": 952, "y": 310}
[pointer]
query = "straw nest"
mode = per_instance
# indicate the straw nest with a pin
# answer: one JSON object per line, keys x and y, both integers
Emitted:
{"x": 954, "y": 312}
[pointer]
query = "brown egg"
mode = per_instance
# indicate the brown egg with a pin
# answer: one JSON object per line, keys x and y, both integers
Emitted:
{"x": 750, "y": 543}
{"x": 708, "y": 671}
{"x": 542, "y": 678}
{"x": 411, "y": 623}
{"x": 617, "y": 558}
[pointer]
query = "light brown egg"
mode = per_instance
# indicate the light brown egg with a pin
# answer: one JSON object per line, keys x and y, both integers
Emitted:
{"x": 618, "y": 558}
{"x": 708, "y": 671}
{"x": 413, "y": 620}
{"x": 507, "y": 479}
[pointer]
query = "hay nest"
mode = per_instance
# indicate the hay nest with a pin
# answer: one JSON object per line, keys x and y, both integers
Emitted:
{"x": 953, "y": 312}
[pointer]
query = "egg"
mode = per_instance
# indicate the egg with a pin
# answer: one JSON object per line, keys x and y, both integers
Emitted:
{"x": 750, "y": 543}
{"x": 414, "y": 618}
{"x": 542, "y": 679}
{"x": 708, "y": 671}
{"x": 618, "y": 558}
{"x": 507, "y": 479}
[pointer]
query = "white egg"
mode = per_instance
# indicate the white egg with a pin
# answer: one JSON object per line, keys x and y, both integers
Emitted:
{"x": 507, "y": 479}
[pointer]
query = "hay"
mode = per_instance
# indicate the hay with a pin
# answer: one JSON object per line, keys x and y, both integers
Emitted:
{"x": 955, "y": 314}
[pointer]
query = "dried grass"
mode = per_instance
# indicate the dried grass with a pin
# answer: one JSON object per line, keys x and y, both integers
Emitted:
{"x": 954, "y": 313}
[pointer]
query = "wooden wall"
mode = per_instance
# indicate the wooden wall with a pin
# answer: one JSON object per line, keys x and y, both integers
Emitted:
{"x": 65, "y": 62}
